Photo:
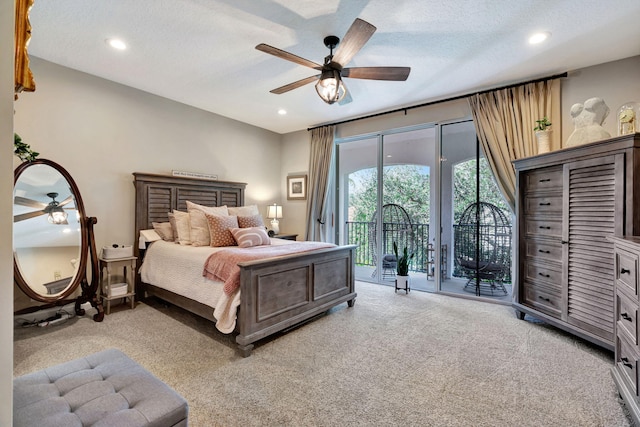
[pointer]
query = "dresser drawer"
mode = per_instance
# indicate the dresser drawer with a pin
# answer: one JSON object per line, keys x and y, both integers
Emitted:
{"x": 543, "y": 249}
{"x": 543, "y": 227}
{"x": 627, "y": 363}
{"x": 627, "y": 321}
{"x": 543, "y": 299}
{"x": 547, "y": 272}
{"x": 626, "y": 274}
{"x": 546, "y": 179}
{"x": 546, "y": 205}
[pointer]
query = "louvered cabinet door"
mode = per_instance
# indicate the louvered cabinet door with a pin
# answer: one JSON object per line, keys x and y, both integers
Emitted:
{"x": 593, "y": 208}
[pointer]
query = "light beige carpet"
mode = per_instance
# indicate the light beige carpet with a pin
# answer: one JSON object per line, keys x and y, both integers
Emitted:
{"x": 393, "y": 359}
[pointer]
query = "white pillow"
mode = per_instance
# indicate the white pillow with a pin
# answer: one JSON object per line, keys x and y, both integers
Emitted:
{"x": 248, "y": 210}
{"x": 211, "y": 210}
{"x": 199, "y": 231}
{"x": 182, "y": 226}
{"x": 252, "y": 236}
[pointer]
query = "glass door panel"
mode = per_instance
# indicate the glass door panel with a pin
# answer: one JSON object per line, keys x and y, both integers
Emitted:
{"x": 476, "y": 222}
{"x": 408, "y": 159}
{"x": 358, "y": 202}
{"x": 384, "y": 195}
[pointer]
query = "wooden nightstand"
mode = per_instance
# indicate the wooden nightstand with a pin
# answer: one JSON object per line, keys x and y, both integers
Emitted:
{"x": 109, "y": 291}
{"x": 286, "y": 236}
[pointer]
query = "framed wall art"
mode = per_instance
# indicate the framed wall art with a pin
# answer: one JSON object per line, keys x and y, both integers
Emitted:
{"x": 297, "y": 187}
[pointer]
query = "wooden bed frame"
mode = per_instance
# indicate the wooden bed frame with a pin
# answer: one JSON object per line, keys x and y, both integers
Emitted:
{"x": 276, "y": 293}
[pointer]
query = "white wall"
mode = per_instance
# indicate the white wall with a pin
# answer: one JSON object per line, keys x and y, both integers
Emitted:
{"x": 6, "y": 214}
{"x": 616, "y": 82}
{"x": 102, "y": 132}
{"x": 295, "y": 161}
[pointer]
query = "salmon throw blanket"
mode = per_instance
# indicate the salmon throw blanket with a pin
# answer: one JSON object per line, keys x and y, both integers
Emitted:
{"x": 223, "y": 266}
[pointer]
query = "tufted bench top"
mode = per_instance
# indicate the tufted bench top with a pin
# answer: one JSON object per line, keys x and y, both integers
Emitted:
{"x": 105, "y": 389}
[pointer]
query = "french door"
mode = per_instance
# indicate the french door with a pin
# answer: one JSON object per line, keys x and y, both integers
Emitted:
{"x": 384, "y": 195}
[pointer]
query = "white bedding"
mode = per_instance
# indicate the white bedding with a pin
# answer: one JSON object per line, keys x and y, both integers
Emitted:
{"x": 178, "y": 268}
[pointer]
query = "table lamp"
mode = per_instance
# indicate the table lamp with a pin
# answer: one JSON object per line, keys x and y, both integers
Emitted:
{"x": 275, "y": 212}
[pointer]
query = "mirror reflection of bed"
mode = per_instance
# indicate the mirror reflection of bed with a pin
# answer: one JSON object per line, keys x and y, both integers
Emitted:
{"x": 271, "y": 295}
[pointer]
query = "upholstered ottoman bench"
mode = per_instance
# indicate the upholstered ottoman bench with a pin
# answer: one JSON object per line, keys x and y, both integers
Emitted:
{"x": 105, "y": 389}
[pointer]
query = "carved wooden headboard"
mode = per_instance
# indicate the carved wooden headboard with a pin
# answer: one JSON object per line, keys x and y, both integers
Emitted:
{"x": 156, "y": 195}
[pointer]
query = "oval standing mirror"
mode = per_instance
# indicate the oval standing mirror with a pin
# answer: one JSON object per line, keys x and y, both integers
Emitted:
{"x": 52, "y": 237}
{"x": 47, "y": 231}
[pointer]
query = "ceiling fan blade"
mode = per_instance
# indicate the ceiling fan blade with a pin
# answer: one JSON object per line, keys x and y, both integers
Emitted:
{"x": 28, "y": 215}
{"x": 377, "y": 73}
{"x": 65, "y": 201}
{"x": 28, "y": 202}
{"x": 294, "y": 85}
{"x": 288, "y": 56}
{"x": 357, "y": 35}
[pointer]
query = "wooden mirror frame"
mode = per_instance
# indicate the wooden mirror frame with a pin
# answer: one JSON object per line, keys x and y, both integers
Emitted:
{"x": 88, "y": 255}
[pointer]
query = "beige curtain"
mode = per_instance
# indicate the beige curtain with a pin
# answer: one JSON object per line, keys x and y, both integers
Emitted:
{"x": 504, "y": 121}
{"x": 319, "y": 173}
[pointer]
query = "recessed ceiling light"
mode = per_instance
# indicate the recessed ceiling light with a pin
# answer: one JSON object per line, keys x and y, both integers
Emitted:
{"x": 116, "y": 44}
{"x": 282, "y": 111}
{"x": 539, "y": 37}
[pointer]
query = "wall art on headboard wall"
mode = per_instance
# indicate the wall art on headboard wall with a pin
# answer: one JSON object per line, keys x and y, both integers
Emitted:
{"x": 297, "y": 187}
{"x": 24, "y": 77}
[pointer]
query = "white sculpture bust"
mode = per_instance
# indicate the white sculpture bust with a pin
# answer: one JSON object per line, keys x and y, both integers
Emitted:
{"x": 587, "y": 120}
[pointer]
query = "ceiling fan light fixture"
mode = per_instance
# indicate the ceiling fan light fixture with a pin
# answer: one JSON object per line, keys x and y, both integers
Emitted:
{"x": 330, "y": 87}
{"x": 57, "y": 216}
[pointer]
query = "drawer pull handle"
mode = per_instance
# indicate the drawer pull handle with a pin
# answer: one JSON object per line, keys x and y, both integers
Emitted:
{"x": 545, "y": 180}
{"x": 624, "y": 271}
{"x": 564, "y": 242}
{"x": 544, "y": 299}
{"x": 626, "y": 317}
{"x": 545, "y": 204}
{"x": 626, "y": 363}
{"x": 543, "y": 275}
{"x": 545, "y": 227}
{"x": 543, "y": 252}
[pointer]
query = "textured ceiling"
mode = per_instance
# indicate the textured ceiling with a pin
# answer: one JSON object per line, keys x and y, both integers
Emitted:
{"x": 202, "y": 52}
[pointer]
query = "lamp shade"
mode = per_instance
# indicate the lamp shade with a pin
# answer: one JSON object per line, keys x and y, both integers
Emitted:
{"x": 274, "y": 211}
{"x": 330, "y": 87}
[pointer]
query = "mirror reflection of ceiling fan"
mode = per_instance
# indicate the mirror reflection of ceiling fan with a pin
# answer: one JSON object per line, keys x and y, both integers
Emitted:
{"x": 330, "y": 86}
{"x": 54, "y": 209}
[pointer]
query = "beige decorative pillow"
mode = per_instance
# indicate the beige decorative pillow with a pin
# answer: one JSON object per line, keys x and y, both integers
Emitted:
{"x": 164, "y": 230}
{"x": 250, "y": 221}
{"x": 199, "y": 228}
{"x": 182, "y": 227}
{"x": 220, "y": 229}
{"x": 252, "y": 236}
{"x": 248, "y": 210}
{"x": 211, "y": 210}
{"x": 174, "y": 228}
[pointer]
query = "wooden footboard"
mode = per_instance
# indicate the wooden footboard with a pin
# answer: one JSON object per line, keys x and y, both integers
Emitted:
{"x": 279, "y": 293}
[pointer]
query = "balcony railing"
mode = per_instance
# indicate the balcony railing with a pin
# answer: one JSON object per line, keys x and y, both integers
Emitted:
{"x": 360, "y": 234}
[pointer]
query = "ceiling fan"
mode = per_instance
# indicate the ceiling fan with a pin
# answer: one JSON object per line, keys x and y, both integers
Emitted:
{"x": 54, "y": 209}
{"x": 330, "y": 86}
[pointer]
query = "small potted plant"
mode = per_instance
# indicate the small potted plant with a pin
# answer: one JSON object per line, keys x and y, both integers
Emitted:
{"x": 402, "y": 268}
{"x": 543, "y": 135}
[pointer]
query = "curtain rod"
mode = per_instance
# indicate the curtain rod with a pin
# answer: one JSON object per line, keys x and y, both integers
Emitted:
{"x": 454, "y": 98}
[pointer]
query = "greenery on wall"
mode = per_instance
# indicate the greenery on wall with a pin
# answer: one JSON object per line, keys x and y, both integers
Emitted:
{"x": 22, "y": 150}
